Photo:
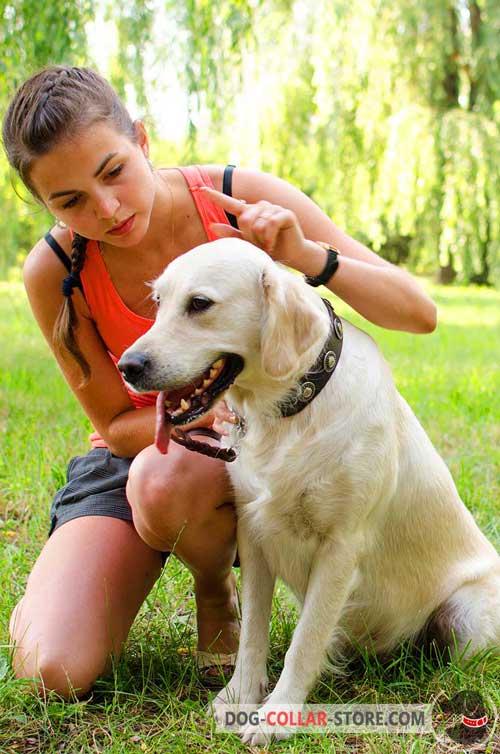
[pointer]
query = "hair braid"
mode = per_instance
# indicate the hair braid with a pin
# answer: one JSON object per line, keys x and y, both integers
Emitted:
{"x": 53, "y": 82}
{"x": 58, "y": 103}
{"x": 66, "y": 323}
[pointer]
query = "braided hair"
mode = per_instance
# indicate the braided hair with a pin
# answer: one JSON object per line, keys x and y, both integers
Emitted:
{"x": 66, "y": 323}
{"x": 54, "y": 105}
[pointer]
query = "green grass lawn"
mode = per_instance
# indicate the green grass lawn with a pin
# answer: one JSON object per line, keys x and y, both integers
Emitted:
{"x": 152, "y": 702}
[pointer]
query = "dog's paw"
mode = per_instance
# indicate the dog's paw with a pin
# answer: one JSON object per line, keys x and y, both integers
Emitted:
{"x": 230, "y": 694}
{"x": 219, "y": 710}
{"x": 228, "y": 698}
{"x": 255, "y": 735}
{"x": 246, "y": 690}
{"x": 266, "y": 730}
{"x": 237, "y": 695}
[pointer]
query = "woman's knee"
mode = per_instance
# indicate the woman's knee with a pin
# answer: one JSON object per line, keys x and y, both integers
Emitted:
{"x": 68, "y": 670}
{"x": 53, "y": 670}
{"x": 150, "y": 482}
{"x": 56, "y": 669}
{"x": 167, "y": 497}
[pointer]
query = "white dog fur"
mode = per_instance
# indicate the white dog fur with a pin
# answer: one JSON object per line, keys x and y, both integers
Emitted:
{"x": 347, "y": 502}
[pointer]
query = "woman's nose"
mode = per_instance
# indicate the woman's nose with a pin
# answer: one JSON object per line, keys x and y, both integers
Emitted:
{"x": 106, "y": 206}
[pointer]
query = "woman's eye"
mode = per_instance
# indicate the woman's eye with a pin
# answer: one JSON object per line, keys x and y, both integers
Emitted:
{"x": 115, "y": 172}
{"x": 199, "y": 304}
{"x": 71, "y": 203}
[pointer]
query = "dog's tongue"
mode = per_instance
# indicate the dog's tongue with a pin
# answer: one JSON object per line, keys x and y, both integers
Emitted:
{"x": 163, "y": 430}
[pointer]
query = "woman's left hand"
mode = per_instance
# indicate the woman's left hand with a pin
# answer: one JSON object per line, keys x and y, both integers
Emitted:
{"x": 222, "y": 416}
{"x": 270, "y": 227}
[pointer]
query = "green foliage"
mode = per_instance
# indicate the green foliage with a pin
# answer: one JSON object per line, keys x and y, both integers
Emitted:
{"x": 33, "y": 34}
{"x": 133, "y": 21}
{"x": 212, "y": 48}
{"x": 22, "y": 221}
{"x": 387, "y": 114}
{"x": 399, "y": 139}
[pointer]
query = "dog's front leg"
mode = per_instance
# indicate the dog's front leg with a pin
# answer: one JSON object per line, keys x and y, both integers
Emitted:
{"x": 249, "y": 682}
{"x": 329, "y": 587}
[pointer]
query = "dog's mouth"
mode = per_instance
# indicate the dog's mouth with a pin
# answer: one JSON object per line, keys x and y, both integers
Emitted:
{"x": 185, "y": 405}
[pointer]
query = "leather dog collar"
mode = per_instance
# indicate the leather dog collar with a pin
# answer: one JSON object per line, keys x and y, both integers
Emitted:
{"x": 315, "y": 379}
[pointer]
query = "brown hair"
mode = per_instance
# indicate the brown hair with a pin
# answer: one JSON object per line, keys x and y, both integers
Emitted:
{"x": 56, "y": 104}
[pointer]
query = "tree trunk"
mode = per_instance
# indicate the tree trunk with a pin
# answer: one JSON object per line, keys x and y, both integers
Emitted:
{"x": 475, "y": 30}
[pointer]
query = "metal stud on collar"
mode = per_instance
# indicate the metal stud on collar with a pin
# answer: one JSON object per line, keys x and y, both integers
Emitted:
{"x": 339, "y": 330}
{"x": 314, "y": 380}
{"x": 329, "y": 361}
{"x": 307, "y": 391}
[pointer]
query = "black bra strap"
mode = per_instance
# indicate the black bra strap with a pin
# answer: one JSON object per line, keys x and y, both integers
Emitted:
{"x": 227, "y": 183}
{"x": 58, "y": 250}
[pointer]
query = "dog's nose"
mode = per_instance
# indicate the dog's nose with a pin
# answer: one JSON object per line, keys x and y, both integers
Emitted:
{"x": 133, "y": 366}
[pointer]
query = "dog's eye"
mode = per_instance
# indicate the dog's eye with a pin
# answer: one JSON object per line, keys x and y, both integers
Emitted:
{"x": 156, "y": 297}
{"x": 199, "y": 304}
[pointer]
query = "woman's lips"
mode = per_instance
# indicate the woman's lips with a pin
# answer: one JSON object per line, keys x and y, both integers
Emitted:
{"x": 124, "y": 227}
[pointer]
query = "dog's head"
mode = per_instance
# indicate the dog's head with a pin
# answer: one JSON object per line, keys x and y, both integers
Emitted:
{"x": 226, "y": 314}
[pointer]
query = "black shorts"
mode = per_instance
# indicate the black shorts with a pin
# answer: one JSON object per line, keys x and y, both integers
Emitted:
{"x": 95, "y": 486}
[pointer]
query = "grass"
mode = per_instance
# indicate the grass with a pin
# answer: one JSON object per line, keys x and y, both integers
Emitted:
{"x": 152, "y": 702}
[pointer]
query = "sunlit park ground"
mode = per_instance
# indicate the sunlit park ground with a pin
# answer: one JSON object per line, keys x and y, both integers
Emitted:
{"x": 153, "y": 702}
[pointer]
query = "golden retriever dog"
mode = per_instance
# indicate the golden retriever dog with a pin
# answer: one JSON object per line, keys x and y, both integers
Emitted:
{"x": 344, "y": 498}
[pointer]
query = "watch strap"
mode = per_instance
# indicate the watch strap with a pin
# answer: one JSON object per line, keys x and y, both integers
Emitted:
{"x": 330, "y": 268}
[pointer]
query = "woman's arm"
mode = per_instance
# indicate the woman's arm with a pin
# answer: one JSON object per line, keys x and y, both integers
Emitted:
{"x": 383, "y": 293}
{"x": 125, "y": 429}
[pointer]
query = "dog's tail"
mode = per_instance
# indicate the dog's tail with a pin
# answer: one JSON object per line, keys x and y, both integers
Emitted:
{"x": 469, "y": 620}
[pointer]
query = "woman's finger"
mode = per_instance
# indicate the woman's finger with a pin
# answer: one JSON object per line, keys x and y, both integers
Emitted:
{"x": 271, "y": 234}
{"x": 270, "y": 224}
{"x": 230, "y": 203}
{"x": 253, "y": 222}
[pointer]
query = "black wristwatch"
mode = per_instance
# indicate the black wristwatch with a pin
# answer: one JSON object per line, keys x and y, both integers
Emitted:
{"x": 330, "y": 268}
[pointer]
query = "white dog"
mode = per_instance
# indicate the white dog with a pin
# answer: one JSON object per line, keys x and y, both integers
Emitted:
{"x": 347, "y": 500}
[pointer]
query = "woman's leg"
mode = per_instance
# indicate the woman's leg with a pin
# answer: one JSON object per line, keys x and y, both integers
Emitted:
{"x": 183, "y": 502}
{"x": 81, "y": 598}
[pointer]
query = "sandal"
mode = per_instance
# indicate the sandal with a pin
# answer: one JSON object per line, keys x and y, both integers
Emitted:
{"x": 214, "y": 668}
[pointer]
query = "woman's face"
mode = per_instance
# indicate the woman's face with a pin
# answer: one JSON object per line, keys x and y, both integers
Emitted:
{"x": 99, "y": 184}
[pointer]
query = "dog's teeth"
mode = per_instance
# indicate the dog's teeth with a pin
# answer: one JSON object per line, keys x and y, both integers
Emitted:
{"x": 206, "y": 383}
{"x": 185, "y": 404}
{"x": 198, "y": 391}
{"x": 213, "y": 372}
{"x": 217, "y": 364}
{"x": 168, "y": 404}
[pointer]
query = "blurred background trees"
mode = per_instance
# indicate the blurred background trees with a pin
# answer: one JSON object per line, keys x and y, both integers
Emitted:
{"x": 386, "y": 113}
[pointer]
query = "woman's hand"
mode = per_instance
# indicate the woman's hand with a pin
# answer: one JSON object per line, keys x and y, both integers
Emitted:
{"x": 222, "y": 414}
{"x": 270, "y": 227}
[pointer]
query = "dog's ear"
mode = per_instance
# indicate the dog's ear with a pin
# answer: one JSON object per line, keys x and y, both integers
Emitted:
{"x": 291, "y": 326}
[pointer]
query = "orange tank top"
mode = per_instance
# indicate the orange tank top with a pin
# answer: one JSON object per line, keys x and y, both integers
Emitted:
{"x": 118, "y": 326}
